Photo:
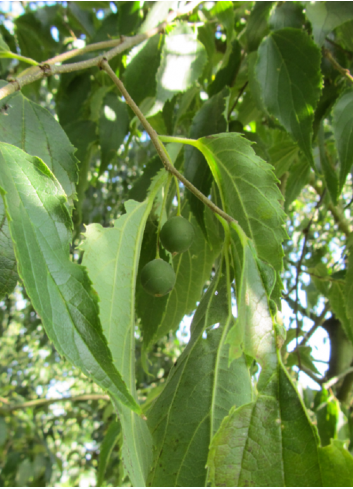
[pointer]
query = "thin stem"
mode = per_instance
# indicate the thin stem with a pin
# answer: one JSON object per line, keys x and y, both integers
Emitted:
{"x": 104, "y": 65}
{"x": 241, "y": 91}
{"x": 46, "y": 402}
{"x": 345, "y": 72}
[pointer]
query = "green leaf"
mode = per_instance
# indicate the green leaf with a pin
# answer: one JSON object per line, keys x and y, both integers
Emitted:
{"x": 287, "y": 14}
{"x": 106, "y": 448}
{"x": 226, "y": 75}
{"x": 339, "y": 302}
{"x": 208, "y": 120}
{"x": 156, "y": 15}
{"x": 330, "y": 174}
{"x": 326, "y": 16}
{"x": 270, "y": 442}
{"x": 327, "y": 411}
{"x": 282, "y": 155}
{"x": 336, "y": 465}
{"x": 8, "y": 266}
{"x": 200, "y": 390}
{"x": 141, "y": 185}
{"x": 224, "y": 11}
{"x": 33, "y": 129}
{"x": 257, "y": 25}
{"x": 143, "y": 66}
{"x": 298, "y": 177}
{"x": 343, "y": 130}
{"x": 128, "y": 17}
{"x": 112, "y": 257}
{"x": 249, "y": 192}
{"x": 253, "y": 332}
{"x": 289, "y": 93}
{"x": 349, "y": 289}
{"x": 113, "y": 127}
{"x": 60, "y": 290}
{"x": 182, "y": 62}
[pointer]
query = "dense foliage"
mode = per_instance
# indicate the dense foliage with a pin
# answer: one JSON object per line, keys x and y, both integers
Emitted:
{"x": 237, "y": 116}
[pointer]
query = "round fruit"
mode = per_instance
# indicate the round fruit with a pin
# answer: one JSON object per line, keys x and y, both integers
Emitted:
{"x": 177, "y": 234}
{"x": 158, "y": 277}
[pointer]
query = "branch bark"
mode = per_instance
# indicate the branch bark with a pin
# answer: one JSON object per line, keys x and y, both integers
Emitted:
{"x": 49, "y": 68}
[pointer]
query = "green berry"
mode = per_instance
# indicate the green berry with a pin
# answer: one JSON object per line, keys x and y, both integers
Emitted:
{"x": 177, "y": 234}
{"x": 158, "y": 277}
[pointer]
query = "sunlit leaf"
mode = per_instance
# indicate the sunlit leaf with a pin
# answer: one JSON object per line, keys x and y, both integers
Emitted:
{"x": 182, "y": 62}
{"x": 60, "y": 290}
{"x": 112, "y": 257}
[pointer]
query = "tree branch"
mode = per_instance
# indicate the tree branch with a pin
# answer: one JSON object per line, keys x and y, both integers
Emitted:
{"x": 48, "y": 68}
{"x": 43, "y": 402}
{"x": 104, "y": 65}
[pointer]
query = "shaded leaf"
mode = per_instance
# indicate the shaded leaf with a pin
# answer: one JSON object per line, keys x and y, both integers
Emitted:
{"x": 143, "y": 66}
{"x": 289, "y": 93}
{"x": 330, "y": 175}
{"x": 326, "y": 16}
{"x": 257, "y": 24}
{"x": 8, "y": 266}
{"x": 327, "y": 411}
{"x": 128, "y": 17}
{"x": 298, "y": 177}
{"x": 113, "y": 127}
{"x": 226, "y": 75}
{"x": 199, "y": 392}
{"x": 287, "y": 14}
{"x": 106, "y": 448}
{"x": 60, "y": 290}
{"x": 343, "y": 130}
{"x": 208, "y": 120}
{"x": 340, "y": 305}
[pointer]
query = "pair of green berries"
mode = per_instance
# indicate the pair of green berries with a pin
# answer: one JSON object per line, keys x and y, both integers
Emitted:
{"x": 158, "y": 277}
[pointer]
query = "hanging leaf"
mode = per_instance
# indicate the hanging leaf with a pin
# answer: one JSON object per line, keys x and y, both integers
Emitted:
{"x": 106, "y": 448}
{"x": 113, "y": 127}
{"x": 248, "y": 191}
{"x": 199, "y": 392}
{"x": 143, "y": 66}
{"x": 343, "y": 130}
{"x": 112, "y": 257}
{"x": 289, "y": 93}
{"x": 208, "y": 120}
{"x": 270, "y": 442}
{"x": 330, "y": 174}
{"x": 60, "y": 290}
{"x": 8, "y": 266}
